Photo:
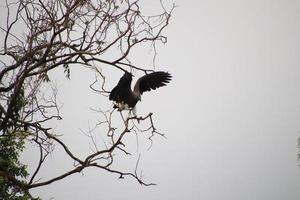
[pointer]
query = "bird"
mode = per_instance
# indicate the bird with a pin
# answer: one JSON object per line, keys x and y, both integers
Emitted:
{"x": 126, "y": 98}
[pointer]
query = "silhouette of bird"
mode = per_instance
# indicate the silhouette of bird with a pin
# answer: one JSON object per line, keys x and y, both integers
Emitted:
{"x": 126, "y": 98}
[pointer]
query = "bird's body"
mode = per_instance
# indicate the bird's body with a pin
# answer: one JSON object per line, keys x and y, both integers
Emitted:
{"x": 126, "y": 98}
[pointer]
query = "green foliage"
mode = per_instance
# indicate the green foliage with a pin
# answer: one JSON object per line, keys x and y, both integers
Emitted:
{"x": 299, "y": 149}
{"x": 67, "y": 70}
{"x": 10, "y": 147}
{"x": 18, "y": 104}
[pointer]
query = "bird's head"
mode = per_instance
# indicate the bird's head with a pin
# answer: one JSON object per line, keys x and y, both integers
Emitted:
{"x": 128, "y": 75}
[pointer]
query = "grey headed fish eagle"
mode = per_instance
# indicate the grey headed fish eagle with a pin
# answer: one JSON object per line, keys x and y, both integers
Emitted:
{"x": 126, "y": 98}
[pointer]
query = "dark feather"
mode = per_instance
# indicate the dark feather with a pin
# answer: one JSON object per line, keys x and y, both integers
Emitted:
{"x": 123, "y": 94}
{"x": 152, "y": 81}
{"x": 122, "y": 89}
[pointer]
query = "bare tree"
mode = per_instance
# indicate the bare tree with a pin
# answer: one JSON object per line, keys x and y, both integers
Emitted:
{"x": 38, "y": 36}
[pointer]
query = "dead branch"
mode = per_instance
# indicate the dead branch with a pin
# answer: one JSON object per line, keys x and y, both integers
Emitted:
{"x": 63, "y": 34}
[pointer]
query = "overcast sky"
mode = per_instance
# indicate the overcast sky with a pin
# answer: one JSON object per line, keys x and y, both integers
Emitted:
{"x": 231, "y": 113}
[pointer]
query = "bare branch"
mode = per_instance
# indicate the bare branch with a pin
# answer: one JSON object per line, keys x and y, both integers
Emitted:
{"x": 42, "y": 35}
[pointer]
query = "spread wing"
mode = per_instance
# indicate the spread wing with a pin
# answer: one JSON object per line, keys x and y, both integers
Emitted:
{"x": 152, "y": 81}
{"x": 122, "y": 90}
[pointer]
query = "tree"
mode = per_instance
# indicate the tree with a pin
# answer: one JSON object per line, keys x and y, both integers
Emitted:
{"x": 299, "y": 149}
{"x": 39, "y": 36}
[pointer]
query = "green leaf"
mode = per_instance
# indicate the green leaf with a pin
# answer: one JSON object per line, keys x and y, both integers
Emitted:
{"x": 67, "y": 70}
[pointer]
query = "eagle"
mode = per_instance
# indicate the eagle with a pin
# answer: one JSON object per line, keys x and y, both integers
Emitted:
{"x": 126, "y": 98}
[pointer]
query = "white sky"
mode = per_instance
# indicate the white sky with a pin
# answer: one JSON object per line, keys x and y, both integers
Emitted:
{"x": 231, "y": 113}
